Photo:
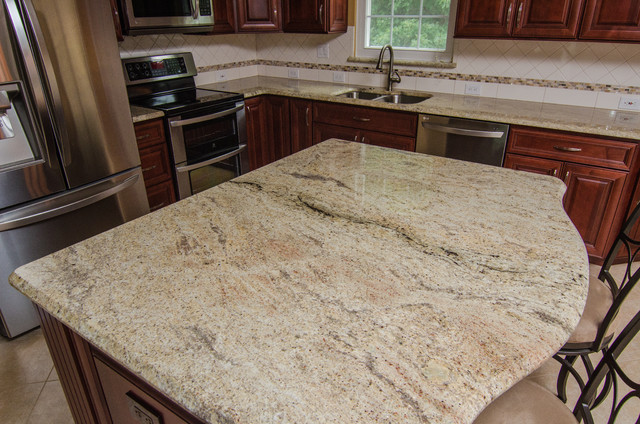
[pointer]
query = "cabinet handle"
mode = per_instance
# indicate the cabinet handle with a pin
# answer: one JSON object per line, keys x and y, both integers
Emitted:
{"x": 363, "y": 139}
{"x": 509, "y": 10}
{"x": 360, "y": 119}
{"x": 149, "y": 168}
{"x": 306, "y": 116}
{"x": 320, "y": 13}
{"x": 355, "y": 137}
{"x": 519, "y": 19}
{"x": 142, "y": 137}
{"x": 566, "y": 176}
{"x": 567, "y": 149}
{"x": 555, "y": 172}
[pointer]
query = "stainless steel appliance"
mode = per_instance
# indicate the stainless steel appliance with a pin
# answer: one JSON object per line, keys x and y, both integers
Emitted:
{"x": 69, "y": 165}
{"x": 464, "y": 139}
{"x": 153, "y": 16}
{"x": 206, "y": 128}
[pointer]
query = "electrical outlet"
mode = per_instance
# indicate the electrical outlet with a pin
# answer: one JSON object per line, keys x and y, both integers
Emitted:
{"x": 473, "y": 88}
{"x": 627, "y": 117}
{"x": 221, "y": 76}
{"x": 294, "y": 73}
{"x": 339, "y": 77}
{"x": 629, "y": 103}
{"x": 323, "y": 50}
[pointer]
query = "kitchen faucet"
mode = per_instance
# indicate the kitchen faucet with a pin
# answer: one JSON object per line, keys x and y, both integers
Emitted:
{"x": 393, "y": 75}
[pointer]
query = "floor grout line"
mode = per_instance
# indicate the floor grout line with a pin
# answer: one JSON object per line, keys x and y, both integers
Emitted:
{"x": 33, "y": 407}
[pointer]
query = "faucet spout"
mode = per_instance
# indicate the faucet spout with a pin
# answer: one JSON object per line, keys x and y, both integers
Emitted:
{"x": 392, "y": 75}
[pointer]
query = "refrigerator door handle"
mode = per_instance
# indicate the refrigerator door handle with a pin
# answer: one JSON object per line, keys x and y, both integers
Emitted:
{"x": 67, "y": 202}
{"x": 40, "y": 70}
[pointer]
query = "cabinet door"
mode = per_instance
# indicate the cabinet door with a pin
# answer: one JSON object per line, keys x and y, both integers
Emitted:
{"x": 547, "y": 18}
{"x": 535, "y": 165}
{"x": 116, "y": 20}
{"x": 615, "y": 20}
{"x": 278, "y": 138}
{"x": 485, "y": 18}
{"x": 301, "y": 128}
{"x": 389, "y": 140}
{"x": 224, "y": 17}
{"x": 591, "y": 201}
{"x": 307, "y": 16}
{"x": 257, "y": 143}
{"x": 258, "y": 15}
{"x": 322, "y": 132}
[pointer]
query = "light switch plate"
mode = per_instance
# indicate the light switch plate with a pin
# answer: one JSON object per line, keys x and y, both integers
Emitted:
{"x": 221, "y": 76}
{"x": 294, "y": 73}
{"x": 629, "y": 103}
{"x": 323, "y": 51}
{"x": 473, "y": 88}
{"x": 339, "y": 77}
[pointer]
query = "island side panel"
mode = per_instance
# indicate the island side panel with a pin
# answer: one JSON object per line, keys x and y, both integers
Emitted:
{"x": 96, "y": 386}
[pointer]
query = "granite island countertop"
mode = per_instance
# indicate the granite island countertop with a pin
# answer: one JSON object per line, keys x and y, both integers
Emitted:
{"x": 587, "y": 120}
{"x": 346, "y": 283}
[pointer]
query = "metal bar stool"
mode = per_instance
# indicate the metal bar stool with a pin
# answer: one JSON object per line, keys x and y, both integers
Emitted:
{"x": 606, "y": 295}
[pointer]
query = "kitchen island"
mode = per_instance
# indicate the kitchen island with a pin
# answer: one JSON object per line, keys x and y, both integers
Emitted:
{"x": 346, "y": 283}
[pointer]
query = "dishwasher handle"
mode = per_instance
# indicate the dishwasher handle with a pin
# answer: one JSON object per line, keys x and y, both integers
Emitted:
{"x": 462, "y": 131}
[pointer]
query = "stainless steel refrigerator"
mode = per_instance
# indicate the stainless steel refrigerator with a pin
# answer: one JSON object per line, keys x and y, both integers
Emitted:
{"x": 69, "y": 165}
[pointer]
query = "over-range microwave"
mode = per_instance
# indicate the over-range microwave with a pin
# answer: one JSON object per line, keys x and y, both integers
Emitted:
{"x": 153, "y": 16}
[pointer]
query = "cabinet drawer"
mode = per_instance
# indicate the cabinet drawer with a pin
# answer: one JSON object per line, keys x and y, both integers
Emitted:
{"x": 389, "y": 140}
{"x": 155, "y": 164}
{"x": 149, "y": 133}
{"x": 161, "y": 195}
{"x": 572, "y": 148}
{"x": 366, "y": 118}
{"x": 128, "y": 403}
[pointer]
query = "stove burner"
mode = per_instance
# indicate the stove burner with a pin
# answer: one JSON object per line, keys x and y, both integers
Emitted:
{"x": 186, "y": 100}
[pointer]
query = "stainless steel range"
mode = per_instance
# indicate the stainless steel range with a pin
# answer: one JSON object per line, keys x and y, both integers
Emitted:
{"x": 206, "y": 128}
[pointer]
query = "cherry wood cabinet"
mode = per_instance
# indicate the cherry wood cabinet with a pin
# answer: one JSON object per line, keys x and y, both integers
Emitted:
{"x": 322, "y": 16}
{"x": 116, "y": 20}
{"x": 224, "y": 17}
{"x": 518, "y": 18}
{"x": 301, "y": 119}
{"x": 259, "y": 15}
{"x": 156, "y": 164}
{"x": 600, "y": 175}
{"x": 268, "y": 129}
{"x": 379, "y": 127}
{"x": 614, "y": 20}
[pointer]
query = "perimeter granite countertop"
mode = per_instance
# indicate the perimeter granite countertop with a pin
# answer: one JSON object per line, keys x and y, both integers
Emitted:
{"x": 346, "y": 283}
{"x": 610, "y": 123}
{"x": 140, "y": 114}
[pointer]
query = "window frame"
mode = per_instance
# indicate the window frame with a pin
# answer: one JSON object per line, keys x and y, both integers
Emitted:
{"x": 401, "y": 52}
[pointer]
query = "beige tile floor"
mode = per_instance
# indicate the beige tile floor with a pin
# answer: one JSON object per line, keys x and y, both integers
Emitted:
{"x": 30, "y": 392}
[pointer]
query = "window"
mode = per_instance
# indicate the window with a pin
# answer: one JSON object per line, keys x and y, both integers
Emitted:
{"x": 417, "y": 29}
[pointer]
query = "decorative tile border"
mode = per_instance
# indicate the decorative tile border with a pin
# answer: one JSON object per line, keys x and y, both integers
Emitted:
{"x": 530, "y": 82}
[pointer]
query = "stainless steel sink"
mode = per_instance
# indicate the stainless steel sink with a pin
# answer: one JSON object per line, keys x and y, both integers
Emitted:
{"x": 403, "y": 98}
{"x": 399, "y": 98}
{"x": 363, "y": 95}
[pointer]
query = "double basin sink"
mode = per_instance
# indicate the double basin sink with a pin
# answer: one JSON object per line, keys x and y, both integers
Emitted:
{"x": 397, "y": 98}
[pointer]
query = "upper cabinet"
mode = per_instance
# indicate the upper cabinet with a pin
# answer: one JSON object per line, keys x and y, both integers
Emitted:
{"x": 322, "y": 16}
{"x": 617, "y": 20}
{"x": 518, "y": 18}
{"x": 611, "y": 20}
{"x": 224, "y": 17}
{"x": 259, "y": 16}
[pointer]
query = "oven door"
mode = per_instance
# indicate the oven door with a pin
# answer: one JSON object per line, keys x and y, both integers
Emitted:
{"x": 147, "y": 16}
{"x": 200, "y": 176}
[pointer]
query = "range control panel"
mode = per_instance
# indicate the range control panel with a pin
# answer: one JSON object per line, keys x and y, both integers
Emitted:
{"x": 140, "y": 70}
{"x": 161, "y": 68}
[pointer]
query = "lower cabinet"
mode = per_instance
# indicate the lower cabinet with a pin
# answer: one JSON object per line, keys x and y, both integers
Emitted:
{"x": 323, "y": 132}
{"x": 155, "y": 162}
{"x": 268, "y": 129}
{"x": 600, "y": 175}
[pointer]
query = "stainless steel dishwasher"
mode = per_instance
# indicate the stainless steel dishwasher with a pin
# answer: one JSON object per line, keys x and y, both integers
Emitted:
{"x": 464, "y": 139}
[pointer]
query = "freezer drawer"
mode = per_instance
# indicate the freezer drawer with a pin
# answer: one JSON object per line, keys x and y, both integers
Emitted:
{"x": 38, "y": 229}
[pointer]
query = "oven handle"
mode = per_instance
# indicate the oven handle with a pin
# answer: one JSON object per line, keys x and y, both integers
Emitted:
{"x": 188, "y": 168}
{"x": 206, "y": 117}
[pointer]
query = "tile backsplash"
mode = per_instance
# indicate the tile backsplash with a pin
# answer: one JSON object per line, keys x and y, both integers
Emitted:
{"x": 577, "y": 73}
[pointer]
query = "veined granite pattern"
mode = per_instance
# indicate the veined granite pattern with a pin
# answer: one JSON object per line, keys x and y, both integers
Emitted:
{"x": 609, "y": 123}
{"x": 346, "y": 283}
